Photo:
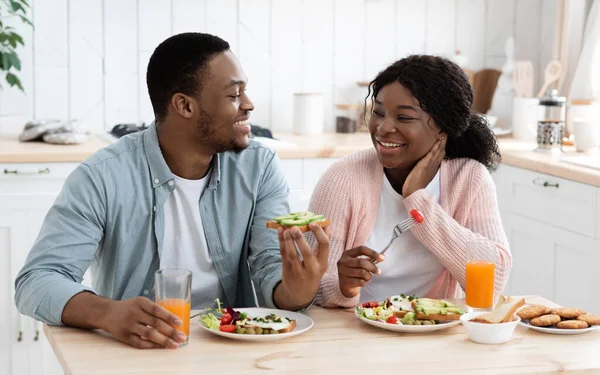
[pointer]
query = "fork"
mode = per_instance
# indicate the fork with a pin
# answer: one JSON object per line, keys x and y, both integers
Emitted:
{"x": 415, "y": 218}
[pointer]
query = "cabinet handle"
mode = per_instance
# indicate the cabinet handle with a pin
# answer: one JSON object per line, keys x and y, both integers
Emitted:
{"x": 20, "y": 325}
{"x": 27, "y": 171}
{"x": 540, "y": 182}
{"x": 37, "y": 330}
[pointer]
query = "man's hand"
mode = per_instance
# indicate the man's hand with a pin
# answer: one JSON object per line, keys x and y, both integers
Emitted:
{"x": 144, "y": 324}
{"x": 355, "y": 270}
{"x": 301, "y": 278}
{"x": 137, "y": 321}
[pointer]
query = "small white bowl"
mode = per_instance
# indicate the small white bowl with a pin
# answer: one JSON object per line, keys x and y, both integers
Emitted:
{"x": 483, "y": 333}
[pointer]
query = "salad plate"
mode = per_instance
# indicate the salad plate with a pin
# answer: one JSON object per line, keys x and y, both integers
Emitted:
{"x": 256, "y": 324}
{"x": 409, "y": 314}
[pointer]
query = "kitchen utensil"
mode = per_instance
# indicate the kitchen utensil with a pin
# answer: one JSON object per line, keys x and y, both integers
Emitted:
{"x": 415, "y": 218}
{"x": 523, "y": 79}
{"x": 551, "y": 122}
{"x": 484, "y": 86}
{"x": 551, "y": 75}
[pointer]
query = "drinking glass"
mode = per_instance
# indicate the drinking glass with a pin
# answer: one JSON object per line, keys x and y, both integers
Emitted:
{"x": 174, "y": 293}
{"x": 481, "y": 264}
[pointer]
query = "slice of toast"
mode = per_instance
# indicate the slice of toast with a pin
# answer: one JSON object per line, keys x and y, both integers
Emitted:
{"x": 303, "y": 228}
{"x": 289, "y": 328}
{"x": 502, "y": 314}
{"x": 448, "y": 316}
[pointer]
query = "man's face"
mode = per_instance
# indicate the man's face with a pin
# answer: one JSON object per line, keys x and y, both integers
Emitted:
{"x": 224, "y": 108}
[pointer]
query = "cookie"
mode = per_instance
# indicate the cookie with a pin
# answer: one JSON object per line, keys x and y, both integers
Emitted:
{"x": 533, "y": 311}
{"x": 590, "y": 319}
{"x": 572, "y": 324}
{"x": 545, "y": 320}
{"x": 567, "y": 312}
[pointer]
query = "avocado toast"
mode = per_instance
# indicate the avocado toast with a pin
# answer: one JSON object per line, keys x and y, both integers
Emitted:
{"x": 298, "y": 219}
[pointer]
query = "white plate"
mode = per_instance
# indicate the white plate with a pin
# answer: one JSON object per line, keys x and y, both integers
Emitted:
{"x": 408, "y": 328}
{"x": 303, "y": 324}
{"x": 559, "y": 331}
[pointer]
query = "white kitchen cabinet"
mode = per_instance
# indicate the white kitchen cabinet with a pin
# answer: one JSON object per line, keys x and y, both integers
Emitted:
{"x": 26, "y": 194}
{"x": 552, "y": 228}
{"x": 598, "y": 213}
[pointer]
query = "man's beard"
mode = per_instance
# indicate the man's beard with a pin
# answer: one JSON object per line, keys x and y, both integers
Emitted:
{"x": 207, "y": 133}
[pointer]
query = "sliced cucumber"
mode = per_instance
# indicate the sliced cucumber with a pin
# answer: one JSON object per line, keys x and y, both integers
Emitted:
{"x": 303, "y": 214}
{"x": 286, "y": 217}
{"x": 316, "y": 218}
{"x": 294, "y": 222}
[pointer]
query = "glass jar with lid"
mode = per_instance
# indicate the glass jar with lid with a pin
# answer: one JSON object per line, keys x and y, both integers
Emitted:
{"x": 346, "y": 118}
{"x": 551, "y": 122}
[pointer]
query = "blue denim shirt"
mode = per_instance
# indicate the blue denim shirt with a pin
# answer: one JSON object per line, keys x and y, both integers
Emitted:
{"x": 109, "y": 215}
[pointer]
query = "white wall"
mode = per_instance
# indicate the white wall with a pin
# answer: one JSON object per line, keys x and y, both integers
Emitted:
{"x": 86, "y": 59}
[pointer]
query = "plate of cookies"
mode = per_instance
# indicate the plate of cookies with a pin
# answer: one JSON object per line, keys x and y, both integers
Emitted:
{"x": 558, "y": 321}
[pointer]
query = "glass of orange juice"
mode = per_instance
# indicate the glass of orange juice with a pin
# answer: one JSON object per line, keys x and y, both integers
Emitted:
{"x": 481, "y": 264}
{"x": 174, "y": 293}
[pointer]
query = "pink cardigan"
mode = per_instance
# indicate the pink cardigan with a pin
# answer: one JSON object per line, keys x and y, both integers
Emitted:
{"x": 348, "y": 194}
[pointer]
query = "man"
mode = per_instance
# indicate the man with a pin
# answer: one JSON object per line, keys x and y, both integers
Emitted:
{"x": 189, "y": 192}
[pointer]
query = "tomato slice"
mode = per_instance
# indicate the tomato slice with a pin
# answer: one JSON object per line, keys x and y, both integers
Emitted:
{"x": 229, "y": 328}
{"x": 370, "y": 304}
{"x": 226, "y": 319}
{"x": 392, "y": 320}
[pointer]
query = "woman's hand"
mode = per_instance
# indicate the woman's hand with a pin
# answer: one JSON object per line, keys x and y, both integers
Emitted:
{"x": 355, "y": 272}
{"x": 426, "y": 168}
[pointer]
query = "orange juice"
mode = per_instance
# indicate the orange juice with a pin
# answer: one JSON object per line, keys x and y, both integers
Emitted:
{"x": 181, "y": 308}
{"x": 480, "y": 284}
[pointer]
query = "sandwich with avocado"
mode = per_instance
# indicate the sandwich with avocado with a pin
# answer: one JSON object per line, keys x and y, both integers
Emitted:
{"x": 299, "y": 220}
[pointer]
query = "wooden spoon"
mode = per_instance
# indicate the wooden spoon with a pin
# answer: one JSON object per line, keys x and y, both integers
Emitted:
{"x": 551, "y": 75}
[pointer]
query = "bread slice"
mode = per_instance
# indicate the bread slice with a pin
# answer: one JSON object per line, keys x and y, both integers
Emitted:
{"x": 502, "y": 314}
{"x": 289, "y": 328}
{"x": 449, "y": 316}
{"x": 303, "y": 228}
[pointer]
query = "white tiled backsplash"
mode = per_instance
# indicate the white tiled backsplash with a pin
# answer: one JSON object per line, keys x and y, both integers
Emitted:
{"x": 86, "y": 59}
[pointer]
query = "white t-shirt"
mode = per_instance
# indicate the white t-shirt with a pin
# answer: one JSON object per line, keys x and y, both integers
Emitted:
{"x": 184, "y": 243}
{"x": 409, "y": 267}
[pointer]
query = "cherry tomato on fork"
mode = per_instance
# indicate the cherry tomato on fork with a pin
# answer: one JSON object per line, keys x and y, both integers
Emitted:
{"x": 229, "y": 328}
{"x": 226, "y": 319}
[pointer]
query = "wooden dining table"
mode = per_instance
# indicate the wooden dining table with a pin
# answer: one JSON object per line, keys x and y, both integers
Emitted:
{"x": 338, "y": 343}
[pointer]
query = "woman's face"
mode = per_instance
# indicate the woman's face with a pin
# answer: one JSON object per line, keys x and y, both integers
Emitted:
{"x": 401, "y": 131}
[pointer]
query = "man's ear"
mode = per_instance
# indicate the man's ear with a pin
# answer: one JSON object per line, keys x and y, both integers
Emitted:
{"x": 183, "y": 105}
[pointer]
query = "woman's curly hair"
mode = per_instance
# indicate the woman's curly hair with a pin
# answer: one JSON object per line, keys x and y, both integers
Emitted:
{"x": 443, "y": 91}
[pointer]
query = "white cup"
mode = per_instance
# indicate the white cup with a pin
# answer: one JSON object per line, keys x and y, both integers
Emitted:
{"x": 308, "y": 113}
{"x": 587, "y": 134}
{"x": 525, "y": 118}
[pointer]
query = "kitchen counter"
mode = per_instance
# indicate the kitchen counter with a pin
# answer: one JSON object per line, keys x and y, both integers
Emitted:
{"x": 329, "y": 145}
{"x": 13, "y": 151}
{"x": 339, "y": 343}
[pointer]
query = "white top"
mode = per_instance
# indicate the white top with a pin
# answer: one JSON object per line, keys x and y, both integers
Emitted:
{"x": 409, "y": 267}
{"x": 184, "y": 243}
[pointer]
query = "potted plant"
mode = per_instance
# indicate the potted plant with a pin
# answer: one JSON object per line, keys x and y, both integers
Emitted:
{"x": 10, "y": 63}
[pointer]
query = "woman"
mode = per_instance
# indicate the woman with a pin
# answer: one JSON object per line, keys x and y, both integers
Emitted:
{"x": 430, "y": 154}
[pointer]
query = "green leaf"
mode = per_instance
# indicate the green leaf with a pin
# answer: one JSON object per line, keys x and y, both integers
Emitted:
{"x": 10, "y": 59}
{"x": 18, "y": 39}
{"x": 17, "y": 7}
{"x": 25, "y": 20}
{"x": 13, "y": 80}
